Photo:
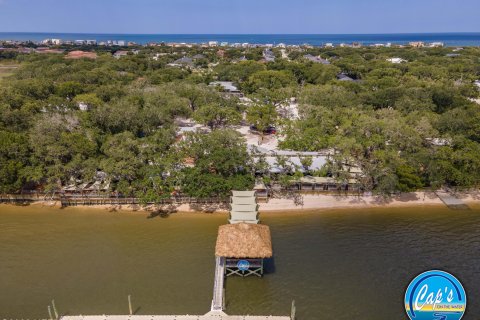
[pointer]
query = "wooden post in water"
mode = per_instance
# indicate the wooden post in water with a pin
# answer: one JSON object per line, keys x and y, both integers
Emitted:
{"x": 130, "y": 304}
{"x": 50, "y": 313}
{"x": 54, "y": 309}
{"x": 293, "y": 311}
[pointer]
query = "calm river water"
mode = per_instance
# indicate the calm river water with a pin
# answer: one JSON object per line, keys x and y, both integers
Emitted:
{"x": 343, "y": 264}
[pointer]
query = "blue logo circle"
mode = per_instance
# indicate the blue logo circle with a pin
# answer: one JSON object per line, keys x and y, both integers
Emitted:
{"x": 243, "y": 265}
{"x": 435, "y": 295}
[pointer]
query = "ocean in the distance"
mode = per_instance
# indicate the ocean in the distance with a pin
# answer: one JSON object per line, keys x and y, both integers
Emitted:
{"x": 449, "y": 39}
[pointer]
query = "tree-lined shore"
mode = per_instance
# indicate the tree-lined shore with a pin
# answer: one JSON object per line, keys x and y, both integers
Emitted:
{"x": 407, "y": 126}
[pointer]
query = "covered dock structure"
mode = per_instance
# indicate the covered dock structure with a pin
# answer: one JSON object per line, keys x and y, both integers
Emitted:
{"x": 244, "y": 246}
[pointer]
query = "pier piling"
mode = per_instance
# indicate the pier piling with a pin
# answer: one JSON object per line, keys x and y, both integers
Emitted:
{"x": 130, "y": 304}
{"x": 55, "y": 310}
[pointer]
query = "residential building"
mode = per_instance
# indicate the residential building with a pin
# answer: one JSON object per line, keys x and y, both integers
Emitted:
{"x": 226, "y": 86}
{"x": 417, "y": 44}
{"x": 120, "y": 53}
{"x": 316, "y": 59}
{"x": 268, "y": 55}
{"x": 397, "y": 60}
{"x": 436, "y": 45}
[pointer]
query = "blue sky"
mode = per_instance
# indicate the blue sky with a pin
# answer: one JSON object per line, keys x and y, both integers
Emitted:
{"x": 240, "y": 16}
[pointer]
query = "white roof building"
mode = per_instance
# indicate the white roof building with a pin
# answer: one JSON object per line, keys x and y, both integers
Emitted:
{"x": 397, "y": 60}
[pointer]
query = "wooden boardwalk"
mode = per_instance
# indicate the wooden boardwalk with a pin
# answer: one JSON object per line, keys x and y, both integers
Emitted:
{"x": 451, "y": 201}
{"x": 208, "y": 316}
{"x": 218, "y": 302}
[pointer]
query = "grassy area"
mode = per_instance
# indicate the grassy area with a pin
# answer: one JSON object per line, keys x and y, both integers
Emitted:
{"x": 7, "y": 69}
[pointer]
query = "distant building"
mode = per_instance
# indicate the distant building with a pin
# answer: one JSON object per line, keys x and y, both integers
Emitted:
{"x": 344, "y": 77}
{"x": 198, "y": 56}
{"x": 83, "y": 106}
{"x": 356, "y": 45}
{"x": 120, "y": 53}
{"x": 268, "y": 55}
{"x": 329, "y": 45}
{"x": 224, "y": 44}
{"x": 91, "y": 42}
{"x": 121, "y": 43}
{"x": 227, "y": 86}
{"x": 316, "y": 59}
{"x": 182, "y": 62}
{"x": 417, "y": 44}
{"x": 436, "y": 45}
{"x": 396, "y": 60}
{"x": 52, "y": 41}
{"x": 221, "y": 53}
{"x": 213, "y": 43}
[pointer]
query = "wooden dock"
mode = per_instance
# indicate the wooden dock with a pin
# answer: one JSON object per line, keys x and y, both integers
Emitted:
{"x": 218, "y": 302}
{"x": 208, "y": 316}
{"x": 451, "y": 201}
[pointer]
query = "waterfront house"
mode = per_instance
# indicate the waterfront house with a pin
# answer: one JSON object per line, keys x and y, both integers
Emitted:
{"x": 322, "y": 184}
{"x": 436, "y": 44}
{"x": 417, "y": 44}
{"x": 244, "y": 246}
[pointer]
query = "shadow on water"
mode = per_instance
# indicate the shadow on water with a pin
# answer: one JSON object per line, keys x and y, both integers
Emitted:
{"x": 269, "y": 265}
{"x": 159, "y": 213}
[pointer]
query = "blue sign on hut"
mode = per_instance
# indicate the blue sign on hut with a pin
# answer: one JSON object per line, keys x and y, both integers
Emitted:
{"x": 242, "y": 245}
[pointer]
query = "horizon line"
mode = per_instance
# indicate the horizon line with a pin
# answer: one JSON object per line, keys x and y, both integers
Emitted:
{"x": 179, "y": 34}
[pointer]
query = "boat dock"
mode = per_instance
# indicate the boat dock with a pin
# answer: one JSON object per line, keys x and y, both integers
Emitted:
{"x": 451, "y": 201}
{"x": 208, "y": 316}
{"x": 241, "y": 253}
{"x": 218, "y": 302}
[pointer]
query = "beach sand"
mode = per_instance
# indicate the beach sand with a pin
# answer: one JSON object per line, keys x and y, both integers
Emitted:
{"x": 303, "y": 203}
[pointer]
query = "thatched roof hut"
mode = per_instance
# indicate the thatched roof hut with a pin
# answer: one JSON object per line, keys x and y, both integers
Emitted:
{"x": 244, "y": 240}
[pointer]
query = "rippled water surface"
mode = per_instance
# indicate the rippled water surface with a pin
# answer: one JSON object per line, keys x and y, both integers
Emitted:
{"x": 344, "y": 264}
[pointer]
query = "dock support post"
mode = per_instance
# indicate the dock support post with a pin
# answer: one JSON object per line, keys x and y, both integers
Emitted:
{"x": 293, "y": 311}
{"x": 50, "y": 313}
{"x": 54, "y": 309}
{"x": 130, "y": 304}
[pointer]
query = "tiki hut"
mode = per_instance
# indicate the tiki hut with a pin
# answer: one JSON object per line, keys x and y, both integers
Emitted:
{"x": 244, "y": 246}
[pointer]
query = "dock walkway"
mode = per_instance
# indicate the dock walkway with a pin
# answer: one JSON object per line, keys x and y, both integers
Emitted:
{"x": 451, "y": 201}
{"x": 173, "y": 317}
{"x": 218, "y": 286}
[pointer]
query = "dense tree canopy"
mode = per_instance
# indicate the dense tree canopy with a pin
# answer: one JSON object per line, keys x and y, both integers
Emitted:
{"x": 407, "y": 126}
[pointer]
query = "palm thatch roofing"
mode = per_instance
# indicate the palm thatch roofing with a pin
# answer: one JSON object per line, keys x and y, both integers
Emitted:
{"x": 244, "y": 240}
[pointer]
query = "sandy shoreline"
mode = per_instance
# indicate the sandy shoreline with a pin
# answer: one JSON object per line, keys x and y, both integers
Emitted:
{"x": 305, "y": 203}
